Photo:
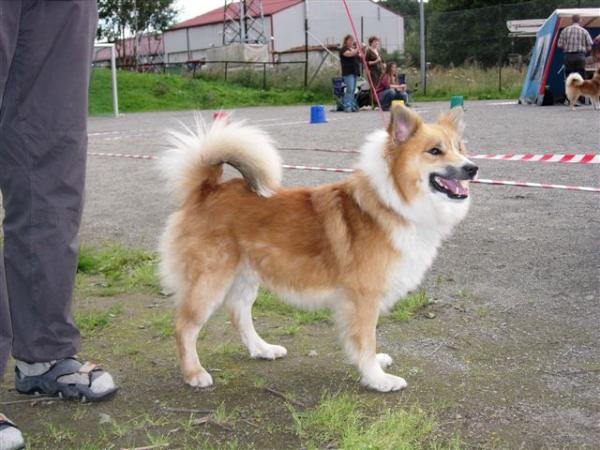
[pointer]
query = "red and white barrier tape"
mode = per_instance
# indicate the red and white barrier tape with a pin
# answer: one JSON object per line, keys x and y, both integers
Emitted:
{"x": 587, "y": 158}
{"x": 584, "y": 158}
{"x": 537, "y": 185}
{"x": 339, "y": 170}
{"x": 326, "y": 150}
{"x": 319, "y": 169}
{"x": 124, "y": 155}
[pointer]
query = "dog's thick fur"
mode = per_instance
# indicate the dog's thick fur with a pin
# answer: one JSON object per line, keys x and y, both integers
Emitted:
{"x": 576, "y": 86}
{"x": 355, "y": 246}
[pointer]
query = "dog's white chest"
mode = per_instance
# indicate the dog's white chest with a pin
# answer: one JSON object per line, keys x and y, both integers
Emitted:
{"x": 417, "y": 252}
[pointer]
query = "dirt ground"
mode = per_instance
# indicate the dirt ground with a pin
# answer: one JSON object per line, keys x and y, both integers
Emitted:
{"x": 510, "y": 358}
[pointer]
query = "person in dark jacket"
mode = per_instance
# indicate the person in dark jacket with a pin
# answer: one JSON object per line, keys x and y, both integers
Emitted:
{"x": 350, "y": 61}
{"x": 374, "y": 60}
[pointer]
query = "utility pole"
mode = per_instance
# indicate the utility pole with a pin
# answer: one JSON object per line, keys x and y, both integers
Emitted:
{"x": 422, "y": 40}
{"x": 244, "y": 22}
{"x": 135, "y": 37}
{"x": 243, "y": 30}
{"x": 305, "y": 43}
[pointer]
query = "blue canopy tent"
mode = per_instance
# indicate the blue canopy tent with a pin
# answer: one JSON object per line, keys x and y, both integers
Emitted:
{"x": 545, "y": 81}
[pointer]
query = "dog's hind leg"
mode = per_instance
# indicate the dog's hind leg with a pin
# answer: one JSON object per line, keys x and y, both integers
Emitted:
{"x": 197, "y": 305}
{"x": 239, "y": 300}
{"x": 358, "y": 321}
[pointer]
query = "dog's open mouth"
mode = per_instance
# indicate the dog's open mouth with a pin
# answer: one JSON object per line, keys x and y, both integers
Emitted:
{"x": 456, "y": 189}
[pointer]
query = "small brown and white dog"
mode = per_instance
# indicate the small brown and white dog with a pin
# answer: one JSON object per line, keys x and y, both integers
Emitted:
{"x": 576, "y": 86}
{"x": 355, "y": 246}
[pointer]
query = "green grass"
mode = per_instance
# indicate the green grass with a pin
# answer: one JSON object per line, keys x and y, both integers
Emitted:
{"x": 114, "y": 269}
{"x": 162, "y": 324}
{"x": 140, "y": 92}
{"x": 462, "y": 294}
{"x": 470, "y": 81}
{"x": 343, "y": 422}
{"x": 268, "y": 305}
{"x": 227, "y": 349}
{"x": 220, "y": 414}
{"x": 120, "y": 269}
{"x": 289, "y": 330}
{"x": 93, "y": 321}
{"x": 409, "y": 306}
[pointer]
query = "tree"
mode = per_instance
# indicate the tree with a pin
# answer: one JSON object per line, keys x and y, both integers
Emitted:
{"x": 120, "y": 19}
{"x": 403, "y": 7}
{"x": 409, "y": 10}
{"x": 475, "y": 30}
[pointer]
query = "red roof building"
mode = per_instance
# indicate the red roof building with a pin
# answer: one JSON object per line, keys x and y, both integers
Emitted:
{"x": 216, "y": 15}
{"x": 150, "y": 48}
{"x": 284, "y": 27}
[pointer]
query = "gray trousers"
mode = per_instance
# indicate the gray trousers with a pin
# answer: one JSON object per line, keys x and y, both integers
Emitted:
{"x": 45, "y": 59}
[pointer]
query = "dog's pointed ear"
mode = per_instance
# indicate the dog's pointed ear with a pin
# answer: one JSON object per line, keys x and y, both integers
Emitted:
{"x": 455, "y": 119}
{"x": 403, "y": 124}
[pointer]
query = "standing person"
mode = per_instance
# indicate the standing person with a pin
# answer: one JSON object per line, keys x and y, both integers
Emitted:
{"x": 374, "y": 60}
{"x": 350, "y": 62}
{"x": 388, "y": 88}
{"x": 575, "y": 42}
{"x": 45, "y": 59}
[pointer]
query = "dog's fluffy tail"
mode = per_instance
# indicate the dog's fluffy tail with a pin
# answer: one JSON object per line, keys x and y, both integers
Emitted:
{"x": 196, "y": 157}
{"x": 574, "y": 79}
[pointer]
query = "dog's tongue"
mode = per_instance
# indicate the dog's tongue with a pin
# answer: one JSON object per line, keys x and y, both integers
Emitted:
{"x": 453, "y": 186}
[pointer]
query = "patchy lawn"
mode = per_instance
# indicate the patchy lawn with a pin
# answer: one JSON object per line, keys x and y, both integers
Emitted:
{"x": 310, "y": 399}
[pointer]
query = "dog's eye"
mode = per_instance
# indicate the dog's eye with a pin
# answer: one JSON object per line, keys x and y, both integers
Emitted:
{"x": 435, "y": 151}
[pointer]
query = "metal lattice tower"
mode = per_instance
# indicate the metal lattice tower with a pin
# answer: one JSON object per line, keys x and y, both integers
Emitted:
{"x": 244, "y": 21}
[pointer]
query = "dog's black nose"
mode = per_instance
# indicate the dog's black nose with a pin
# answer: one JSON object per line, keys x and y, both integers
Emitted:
{"x": 470, "y": 170}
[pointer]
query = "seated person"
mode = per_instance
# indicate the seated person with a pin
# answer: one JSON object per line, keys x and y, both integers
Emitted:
{"x": 388, "y": 88}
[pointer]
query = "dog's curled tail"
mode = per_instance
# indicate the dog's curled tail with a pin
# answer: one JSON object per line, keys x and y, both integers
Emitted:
{"x": 574, "y": 79}
{"x": 196, "y": 157}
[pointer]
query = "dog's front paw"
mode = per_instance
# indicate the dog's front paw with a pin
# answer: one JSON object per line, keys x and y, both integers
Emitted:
{"x": 384, "y": 360}
{"x": 200, "y": 379}
{"x": 385, "y": 383}
{"x": 269, "y": 351}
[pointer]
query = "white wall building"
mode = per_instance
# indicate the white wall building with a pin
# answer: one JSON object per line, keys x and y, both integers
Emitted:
{"x": 284, "y": 25}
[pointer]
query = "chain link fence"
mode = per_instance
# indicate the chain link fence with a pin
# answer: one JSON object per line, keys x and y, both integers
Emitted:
{"x": 468, "y": 52}
{"x": 471, "y": 52}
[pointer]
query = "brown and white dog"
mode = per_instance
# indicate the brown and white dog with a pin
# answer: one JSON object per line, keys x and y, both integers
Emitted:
{"x": 355, "y": 246}
{"x": 576, "y": 86}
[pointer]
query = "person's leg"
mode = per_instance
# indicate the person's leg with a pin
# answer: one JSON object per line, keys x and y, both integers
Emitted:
{"x": 5, "y": 325}
{"x": 569, "y": 63}
{"x": 43, "y": 148}
{"x": 354, "y": 103}
{"x": 575, "y": 63}
{"x": 43, "y": 139}
{"x": 385, "y": 98}
{"x": 580, "y": 66}
{"x": 10, "y": 435}
{"x": 381, "y": 96}
{"x": 10, "y": 13}
{"x": 349, "y": 92}
{"x": 399, "y": 95}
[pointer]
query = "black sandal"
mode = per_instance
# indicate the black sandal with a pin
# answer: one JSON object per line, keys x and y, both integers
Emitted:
{"x": 67, "y": 378}
{"x": 10, "y": 435}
